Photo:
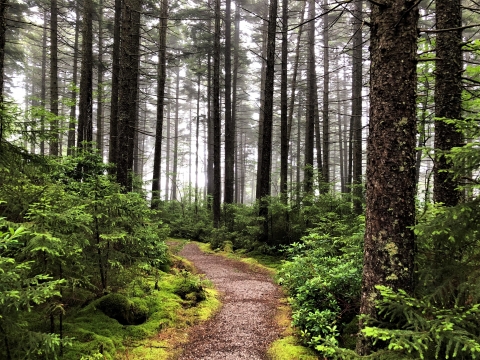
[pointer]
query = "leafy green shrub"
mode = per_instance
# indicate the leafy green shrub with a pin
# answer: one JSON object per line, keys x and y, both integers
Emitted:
{"x": 190, "y": 288}
{"x": 323, "y": 278}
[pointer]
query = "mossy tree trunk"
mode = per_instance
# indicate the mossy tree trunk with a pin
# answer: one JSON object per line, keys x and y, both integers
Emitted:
{"x": 390, "y": 205}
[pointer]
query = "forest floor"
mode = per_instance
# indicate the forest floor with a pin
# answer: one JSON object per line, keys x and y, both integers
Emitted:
{"x": 246, "y": 324}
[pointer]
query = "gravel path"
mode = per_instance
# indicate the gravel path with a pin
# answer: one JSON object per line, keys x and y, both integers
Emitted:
{"x": 244, "y": 326}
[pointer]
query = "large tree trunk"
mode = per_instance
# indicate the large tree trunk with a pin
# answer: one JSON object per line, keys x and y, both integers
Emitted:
{"x": 128, "y": 89}
{"x": 357, "y": 79}
{"x": 113, "y": 143}
{"x": 216, "y": 119}
{"x": 85, "y": 126}
{"x": 73, "y": 95}
{"x": 161, "y": 81}
{"x": 54, "y": 77}
{"x": 265, "y": 164}
{"x": 448, "y": 97}
{"x": 390, "y": 208}
{"x": 229, "y": 124}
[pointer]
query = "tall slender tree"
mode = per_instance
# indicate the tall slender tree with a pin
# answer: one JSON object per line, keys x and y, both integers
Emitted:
{"x": 311, "y": 101}
{"x": 3, "y": 34}
{"x": 229, "y": 124}
{"x": 100, "y": 70}
{"x": 73, "y": 94}
{"x": 284, "y": 105}
{"x": 390, "y": 208}
{"x": 216, "y": 119}
{"x": 161, "y": 81}
{"x": 357, "y": 79}
{"x": 113, "y": 142}
{"x": 54, "y": 77}
{"x": 266, "y": 159}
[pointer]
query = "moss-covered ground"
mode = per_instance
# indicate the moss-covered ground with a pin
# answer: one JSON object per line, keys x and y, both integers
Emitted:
{"x": 179, "y": 300}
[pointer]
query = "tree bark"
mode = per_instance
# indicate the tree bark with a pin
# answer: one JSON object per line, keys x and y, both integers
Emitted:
{"x": 175, "y": 135}
{"x": 216, "y": 119}
{"x": 311, "y": 93}
{"x": 236, "y": 64}
{"x": 3, "y": 33}
{"x": 326, "y": 93}
{"x": 448, "y": 98}
{"x": 100, "y": 69}
{"x": 390, "y": 207}
{"x": 73, "y": 95}
{"x": 229, "y": 124}
{"x": 357, "y": 79}
{"x": 284, "y": 107}
{"x": 85, "y": 125}
{"x": 161, "y": 81}
{"x": 113, "y": 143}
{"x": 43, "y": 93}
{"x": 266, "y": 160}
{"x": 54, "y": 77}
{"x": 128, "y": 89}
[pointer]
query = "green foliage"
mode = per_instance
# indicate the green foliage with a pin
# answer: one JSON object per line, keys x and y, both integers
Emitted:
{"x": 323, "y": 276}
{"x": 21, "y": 291}
{"x": 424, "y": 330}
{"x": 78, "y": 235}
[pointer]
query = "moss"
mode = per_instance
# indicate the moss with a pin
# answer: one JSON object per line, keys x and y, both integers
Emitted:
{"x": 288, "y": 348}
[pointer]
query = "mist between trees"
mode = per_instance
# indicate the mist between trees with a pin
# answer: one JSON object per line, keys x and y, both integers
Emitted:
{"x": 266, "y": 124}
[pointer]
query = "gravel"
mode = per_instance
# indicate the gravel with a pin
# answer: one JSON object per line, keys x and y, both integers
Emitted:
{"x": 245, "y": 326}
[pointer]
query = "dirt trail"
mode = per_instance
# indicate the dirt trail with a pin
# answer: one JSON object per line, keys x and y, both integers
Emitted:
{"x": 244, "y": 326}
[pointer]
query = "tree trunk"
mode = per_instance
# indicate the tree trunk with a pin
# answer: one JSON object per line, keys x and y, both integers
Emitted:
{"x": 262, "y": 111}
{"x": 113, "y": 143}
{"x": 167, "y": 155}
{"x": 265, "y": 164}
{"x": 448, "y": 97}
{"x": 326, "y": 91}
{"x": 128, "y": 89}
{"x": 3, "y": 33}
{"x": 216, "y": 119}
{"x": 54, "y": 77}
{"x": 175, "y": 136}
{"x": 85, "y": 126}
{"x": 229, "y": 124}
{"x": 44, "y": 82}
{"x": 161, "y": 81}
{"x": 357, "y": 78}
{"x": 236, "y": 64}
{"x": 390, "y": 207}
{"x": 311, "y": 93}
{"x": 73, "y": 95}
{"x": 100, "y": 69}
{"x": 284, "y": 107}
{"x": 210, "y": 135}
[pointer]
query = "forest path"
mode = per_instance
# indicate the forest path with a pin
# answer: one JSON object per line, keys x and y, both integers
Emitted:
{"x": 245, "y": 325}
